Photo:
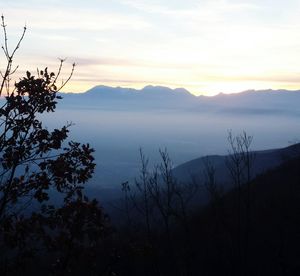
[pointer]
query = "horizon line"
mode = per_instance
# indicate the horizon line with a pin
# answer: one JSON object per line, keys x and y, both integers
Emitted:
{"x": 203, "y": 94}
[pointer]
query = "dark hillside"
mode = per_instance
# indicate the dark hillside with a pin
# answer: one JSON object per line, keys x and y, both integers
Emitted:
{"x": 251, "y": 231}
{"x": 262, "y": 161}
{"x": 262, "y": 237}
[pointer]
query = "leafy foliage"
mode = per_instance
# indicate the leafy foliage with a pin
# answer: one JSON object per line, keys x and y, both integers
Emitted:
{"x": 44, "y": 214}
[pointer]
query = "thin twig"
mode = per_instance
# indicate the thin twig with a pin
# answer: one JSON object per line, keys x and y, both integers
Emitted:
{"x": 68, "y": 79}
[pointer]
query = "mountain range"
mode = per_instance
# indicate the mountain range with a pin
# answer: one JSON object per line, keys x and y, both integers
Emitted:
{"x": 159, "y": 97}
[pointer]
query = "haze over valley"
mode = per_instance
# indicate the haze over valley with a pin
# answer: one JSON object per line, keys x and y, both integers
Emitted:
{"x": 118, "y": 121}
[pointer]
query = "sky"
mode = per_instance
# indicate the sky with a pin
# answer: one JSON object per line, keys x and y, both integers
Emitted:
{"x": 205, "y": 46}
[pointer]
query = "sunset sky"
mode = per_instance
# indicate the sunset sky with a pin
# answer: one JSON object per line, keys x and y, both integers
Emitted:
{"x": 207, "y": 47}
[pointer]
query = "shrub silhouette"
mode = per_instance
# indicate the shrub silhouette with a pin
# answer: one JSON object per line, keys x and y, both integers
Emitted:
{"x": 37, "y": 166}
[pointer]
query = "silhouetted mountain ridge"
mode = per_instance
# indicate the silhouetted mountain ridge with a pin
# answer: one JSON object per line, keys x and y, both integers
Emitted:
{"x": 262, "y": 162}
{"x": 251, "y": 102}
{"x": 122, "y": 98}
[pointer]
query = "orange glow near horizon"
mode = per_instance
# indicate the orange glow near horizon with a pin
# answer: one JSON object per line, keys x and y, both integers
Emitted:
{"x": 206, "y": 47}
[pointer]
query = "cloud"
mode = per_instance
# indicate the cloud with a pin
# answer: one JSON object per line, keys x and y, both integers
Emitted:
{"x": 204, "y": 11}
{"x": 119, "y": 62}
{"x": 85, "y": 61}
{"x": 74, "y": 19}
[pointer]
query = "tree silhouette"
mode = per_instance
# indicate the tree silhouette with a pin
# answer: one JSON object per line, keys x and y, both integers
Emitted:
{"x": 239, "y": 163}
{"x": 38, "y": 167}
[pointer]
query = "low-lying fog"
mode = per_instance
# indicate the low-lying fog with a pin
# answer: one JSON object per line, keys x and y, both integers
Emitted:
{"x": 117, "y": 135}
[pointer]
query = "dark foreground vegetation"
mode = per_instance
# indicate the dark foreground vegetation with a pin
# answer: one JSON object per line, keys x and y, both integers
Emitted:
{"x": 49, "y": 227}
{"x": 252, "y": 230}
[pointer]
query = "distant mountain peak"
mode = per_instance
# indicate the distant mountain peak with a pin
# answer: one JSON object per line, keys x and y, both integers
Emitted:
{"x": 166, "y": 90}
{"x": 99, "y": 87}
{"x": 156, "y": 88}
{"x": 182, "y": 90}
